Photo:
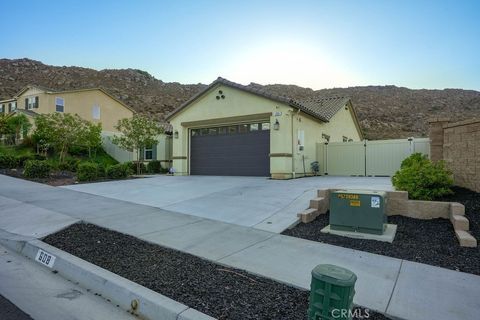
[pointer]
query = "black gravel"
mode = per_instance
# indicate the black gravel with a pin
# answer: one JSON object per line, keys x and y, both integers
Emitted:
{"x": 221, "y": 292}
{"x": 9, "y": 311}
{"x": 427, "y": 241}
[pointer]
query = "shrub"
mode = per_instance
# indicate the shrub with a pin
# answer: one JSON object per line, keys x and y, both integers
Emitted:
{"x": 101, "y": 170}
{"x": 28, "y": 142}
{"x": 21, "y": 159}
{"x": 118, "y": 171}
{"x": 87, "y": 171}
{"x": 39, "y": 157}
{"x": 78, "y": 151}
{"x": 414, "y": 159}
{"x": 154, "y": 166}
{"x": 69, "y": 164}
{"x": 423, "y": 179}
{"x": 37, "y": 169}
{"x": 133, "y": 167}
{"x": 8, "y": 161}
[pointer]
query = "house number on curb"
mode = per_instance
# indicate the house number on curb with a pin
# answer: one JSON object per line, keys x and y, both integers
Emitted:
{"x": 45, "y": 258}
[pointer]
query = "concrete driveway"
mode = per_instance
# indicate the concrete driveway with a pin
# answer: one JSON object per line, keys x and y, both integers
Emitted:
{"x": 257, "y": 202}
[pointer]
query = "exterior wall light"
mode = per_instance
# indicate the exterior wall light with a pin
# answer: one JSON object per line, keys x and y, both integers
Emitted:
{"x": 276, "y": 125}
{"x": 175, "y": 134}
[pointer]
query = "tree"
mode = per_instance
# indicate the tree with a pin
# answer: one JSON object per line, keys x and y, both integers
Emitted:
{"x": 13, "y": 126}
{"x": 19, "y": 125}
{"x": 90, "y": 136}
{"x": 63, "y": 130}
{"x": 137, "y": 133}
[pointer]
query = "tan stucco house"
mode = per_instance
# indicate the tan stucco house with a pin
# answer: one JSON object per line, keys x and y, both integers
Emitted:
{"x": 93, "y": 104}
{"x": 232, "y": 129}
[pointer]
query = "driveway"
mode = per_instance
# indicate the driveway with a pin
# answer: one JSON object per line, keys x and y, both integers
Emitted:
{"x": 257, "y": 202}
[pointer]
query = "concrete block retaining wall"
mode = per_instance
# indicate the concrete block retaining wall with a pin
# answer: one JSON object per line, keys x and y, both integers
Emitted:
{"x": 459, "y": 145}
{"x": 399, "y": 204}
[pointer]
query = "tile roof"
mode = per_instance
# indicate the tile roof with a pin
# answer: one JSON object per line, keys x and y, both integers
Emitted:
{"x": 320, "y": 108}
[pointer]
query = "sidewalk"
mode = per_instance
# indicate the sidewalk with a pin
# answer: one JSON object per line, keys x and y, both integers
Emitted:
{"x": 398, "y": 288}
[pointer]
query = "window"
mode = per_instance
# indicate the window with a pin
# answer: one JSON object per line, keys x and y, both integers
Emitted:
{"x": 301, "y": 140}
{"x": 232, "y": 129}
{"x": 212, "y": 131}
{"x": 266, "y": 126}
{"x": 222, "y": 130}
{"x": 195, "y": 132}
{"x": 13, "y": 106}
{"x": 345, "y": 139}
{"x": 31, "y": 103}
{"x": 204, "y": 132}
{"x": 1, "y": 108}
{"x": 254, "y": 127}
{"x": 59, "y": 104}
{"x": 326, "y": 137}
{"x": 96, "y": 112}
{"x": 148, "y": 153}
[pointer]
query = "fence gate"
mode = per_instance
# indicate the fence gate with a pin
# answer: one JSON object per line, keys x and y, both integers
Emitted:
{"x": 368, "y": 158}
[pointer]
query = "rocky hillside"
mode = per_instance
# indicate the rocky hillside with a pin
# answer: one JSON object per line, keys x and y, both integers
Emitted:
{"x": 136, "y": 88}
{"x": 384, "y": 111}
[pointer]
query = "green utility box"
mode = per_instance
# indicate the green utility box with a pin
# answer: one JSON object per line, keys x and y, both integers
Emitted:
{"x": 358, "y": 211}
{"x": 331, "y": 293}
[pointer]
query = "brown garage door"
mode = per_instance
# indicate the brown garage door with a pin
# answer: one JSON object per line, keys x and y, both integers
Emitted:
{"x": 239, "y": 150}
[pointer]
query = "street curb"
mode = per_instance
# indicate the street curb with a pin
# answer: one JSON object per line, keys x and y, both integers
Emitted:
{"x": 120, "y": 291}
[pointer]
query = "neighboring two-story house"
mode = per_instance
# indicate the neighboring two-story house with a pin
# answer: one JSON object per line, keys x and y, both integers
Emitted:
{"x": 94, "y": 104}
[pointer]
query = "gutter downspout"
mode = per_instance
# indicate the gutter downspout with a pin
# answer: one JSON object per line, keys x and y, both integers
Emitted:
{"x": 293, "y": 145}
{"x": 293, "y": 157}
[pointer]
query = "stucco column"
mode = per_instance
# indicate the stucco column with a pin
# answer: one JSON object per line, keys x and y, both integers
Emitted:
{"x": 436, "y": 135}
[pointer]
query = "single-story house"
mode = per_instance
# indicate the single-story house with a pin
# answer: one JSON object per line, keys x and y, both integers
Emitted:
{"x": 93, "y": 104}
{"x": 238, "y": 130}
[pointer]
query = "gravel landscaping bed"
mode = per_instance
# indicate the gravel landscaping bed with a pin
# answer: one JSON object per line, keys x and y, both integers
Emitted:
{"x": 427, "y": 241}
{"x": 221, "y": 292}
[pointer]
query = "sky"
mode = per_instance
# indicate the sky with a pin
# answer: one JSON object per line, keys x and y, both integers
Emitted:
{"x": 316, "y": 44}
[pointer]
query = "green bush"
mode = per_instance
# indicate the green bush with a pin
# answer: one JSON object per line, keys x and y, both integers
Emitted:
{"x": 69, "y": 164}
{"x": 133, "y": 167}
{"x": 154, "y": 166}
{"x": 423, "y": 179}
{"x": 101, "y": 170}
{"x": 415, "y": 159}
{"x": 37, "y": 169}
{"x": 21, "y": 159}
{"x": 39, "y": 157}
{"x": 118, "y": 171}
{"x": 78, "y": 151}
{"x": 87, "y": 171}
{"x": 8, "y": 161}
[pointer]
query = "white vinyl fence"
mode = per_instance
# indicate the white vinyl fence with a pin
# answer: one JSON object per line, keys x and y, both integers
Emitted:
{"x": 368, "y": 158}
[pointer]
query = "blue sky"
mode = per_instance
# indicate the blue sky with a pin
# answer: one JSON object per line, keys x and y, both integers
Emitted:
{"x": 317, "y": 44}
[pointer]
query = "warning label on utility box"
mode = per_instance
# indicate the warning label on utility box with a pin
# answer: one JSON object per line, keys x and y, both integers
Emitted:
{"x": 375, "y": 202}
{"x": 355, "y": 203}
{"x": 348, "y": 196}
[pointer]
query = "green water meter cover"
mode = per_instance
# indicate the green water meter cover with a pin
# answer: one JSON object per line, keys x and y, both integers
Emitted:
{"x": 334, "y": 274}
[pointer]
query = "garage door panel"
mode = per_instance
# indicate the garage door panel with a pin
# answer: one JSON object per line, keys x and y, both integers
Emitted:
{"x": 241, "y": 154}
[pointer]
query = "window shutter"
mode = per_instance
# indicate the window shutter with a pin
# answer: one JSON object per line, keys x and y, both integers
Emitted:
{"x": 154, "y": 152}
{"x": 9, "y": 108}
{"x": 36, "y": 102}
{"x": 26, "y": 103}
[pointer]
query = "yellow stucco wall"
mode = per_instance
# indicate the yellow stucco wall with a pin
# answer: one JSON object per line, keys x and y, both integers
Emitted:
{"x": 286, "y": 159}
{"x": 81, "y": 103}
{"x": 342, "y": 124}
{"x": 238, "y": 106}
